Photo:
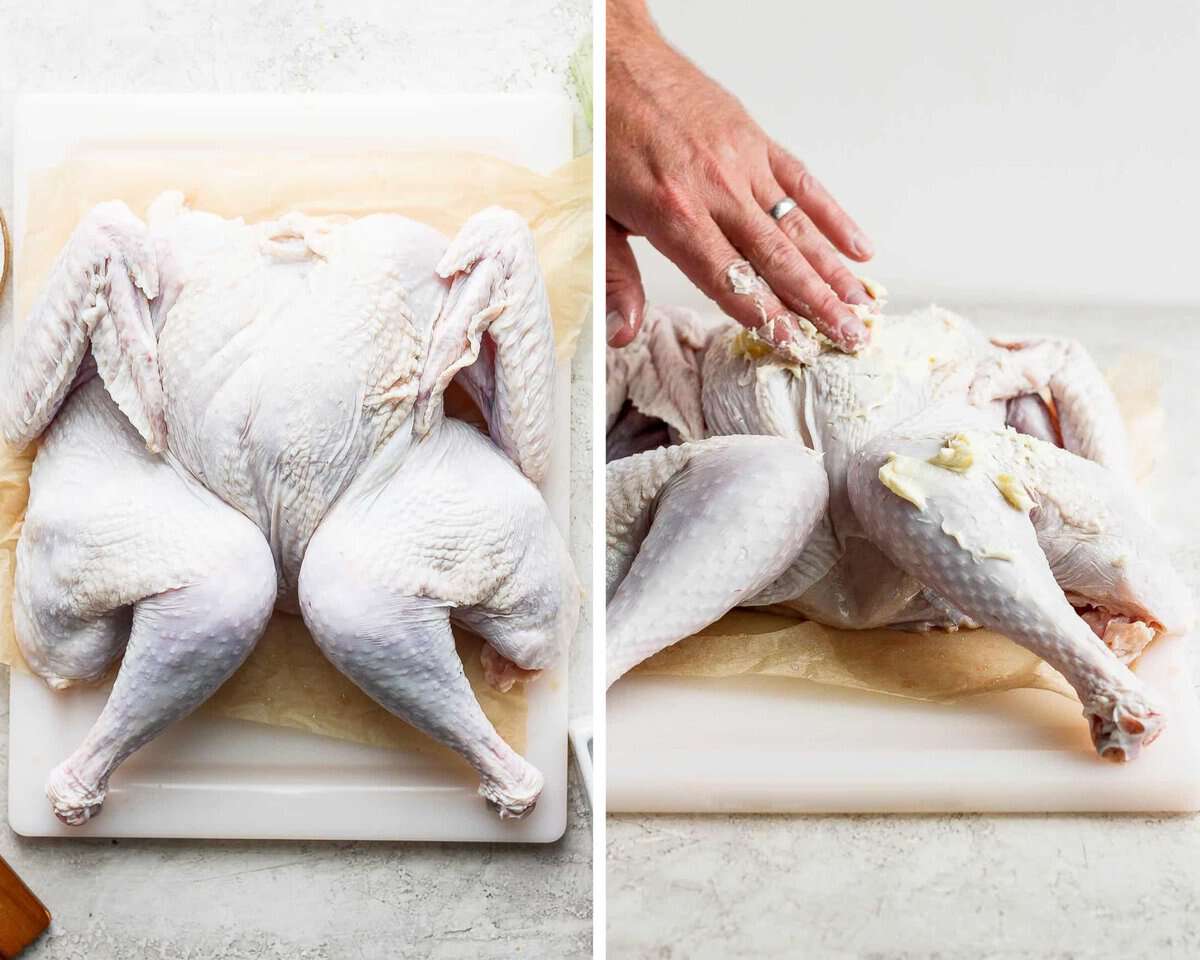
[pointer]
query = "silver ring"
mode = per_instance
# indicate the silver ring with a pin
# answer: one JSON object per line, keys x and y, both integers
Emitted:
{"x": 783, "y": 208}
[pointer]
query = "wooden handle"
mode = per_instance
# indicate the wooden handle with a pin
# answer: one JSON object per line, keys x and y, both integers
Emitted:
{"x": 22, "y": 916}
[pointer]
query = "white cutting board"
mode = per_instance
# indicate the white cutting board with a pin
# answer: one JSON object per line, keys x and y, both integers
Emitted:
{"x": 774, "y": 745}
{"x": 225, "y": 778}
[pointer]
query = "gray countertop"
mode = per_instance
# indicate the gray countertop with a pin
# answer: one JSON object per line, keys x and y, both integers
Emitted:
{"x": 309, "y": 901}
{"x": 955, "y": 887}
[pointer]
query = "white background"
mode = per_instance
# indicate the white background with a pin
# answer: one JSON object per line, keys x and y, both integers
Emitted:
{"x": 993, "y": 150}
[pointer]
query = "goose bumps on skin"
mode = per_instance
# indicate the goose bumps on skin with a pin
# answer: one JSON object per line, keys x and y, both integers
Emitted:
{"x": 240, "y": 418}
{"x": 924, "y": 483}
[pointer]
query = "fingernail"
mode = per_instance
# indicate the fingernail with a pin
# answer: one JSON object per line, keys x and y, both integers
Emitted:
{"x": 861, "y": 246}
{"x": 857, "y": 297}
{"x": 614, "y": 323}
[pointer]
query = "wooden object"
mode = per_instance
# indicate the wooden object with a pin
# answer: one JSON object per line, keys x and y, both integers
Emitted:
{"x": 22, "y": 916}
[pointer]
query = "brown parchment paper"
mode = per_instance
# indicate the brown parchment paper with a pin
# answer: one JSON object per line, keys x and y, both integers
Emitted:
{"x": 935, "y": 666}
{"x": 286, "y": 681}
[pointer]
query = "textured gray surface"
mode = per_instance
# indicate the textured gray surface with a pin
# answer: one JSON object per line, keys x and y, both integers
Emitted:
{"x": 309, "y": 901}
{"x": 946, "y": 887}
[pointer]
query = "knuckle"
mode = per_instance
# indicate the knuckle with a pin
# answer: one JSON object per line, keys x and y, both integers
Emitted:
{"x": 731, "y": 276}
{"x": 799, "y": 228}
{"x": 741, "y": 292}
{"x": 842, "y": 279}
{"x": 776, "y": 256}
{"x": 617, "y": 281}
{"x": 672, "y": 201}
{"x": 806, "y": 183}
{"x": 826, "y": 302}
{"x": 714, "y": 171}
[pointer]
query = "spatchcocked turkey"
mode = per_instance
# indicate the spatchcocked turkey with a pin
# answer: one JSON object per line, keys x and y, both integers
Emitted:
{"x": 242, "y": 417}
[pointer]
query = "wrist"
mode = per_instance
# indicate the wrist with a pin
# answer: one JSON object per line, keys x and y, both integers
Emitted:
{"x": 629, "y": 26}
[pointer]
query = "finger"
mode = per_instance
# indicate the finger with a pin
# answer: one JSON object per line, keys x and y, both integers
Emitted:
{"x": 812, "y": 245}
{"x": 786, "y": 271}
{"x": 625, "y": 300}
{"x": 820, "y": 253}
{"x": 816, "y": 201}
{"x": 706, "y": 258}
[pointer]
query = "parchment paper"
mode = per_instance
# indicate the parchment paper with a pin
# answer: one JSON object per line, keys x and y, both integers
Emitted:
{"x": 935, "y": 666}
{"x": 287, "y": 682}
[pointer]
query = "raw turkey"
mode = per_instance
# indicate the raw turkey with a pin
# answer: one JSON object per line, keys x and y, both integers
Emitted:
{"x": 237, "y": 418}
{"x": 937, "y": 480}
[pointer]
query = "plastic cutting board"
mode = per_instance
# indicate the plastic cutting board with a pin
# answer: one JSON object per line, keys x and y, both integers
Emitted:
{"x": 773, "y": 745}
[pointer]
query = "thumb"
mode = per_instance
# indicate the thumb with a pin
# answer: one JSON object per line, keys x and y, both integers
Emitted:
{"x": 625, "y": 300}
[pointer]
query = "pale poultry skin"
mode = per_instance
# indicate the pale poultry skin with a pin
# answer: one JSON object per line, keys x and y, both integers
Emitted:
{"x": 923, "y": 483}
{"x": 237, "y": 418}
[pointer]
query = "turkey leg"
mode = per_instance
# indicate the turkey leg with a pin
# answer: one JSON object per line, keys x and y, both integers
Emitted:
{"x": 968, "y": 530}
{"x": 694, "y": 530}
{"x": 433, "y": 529}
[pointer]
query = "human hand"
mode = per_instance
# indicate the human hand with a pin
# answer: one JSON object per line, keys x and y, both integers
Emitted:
{"x": 688, "y": 169}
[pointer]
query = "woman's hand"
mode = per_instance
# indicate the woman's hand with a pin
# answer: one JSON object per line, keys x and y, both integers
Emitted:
{"x": 690, "y": 171}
